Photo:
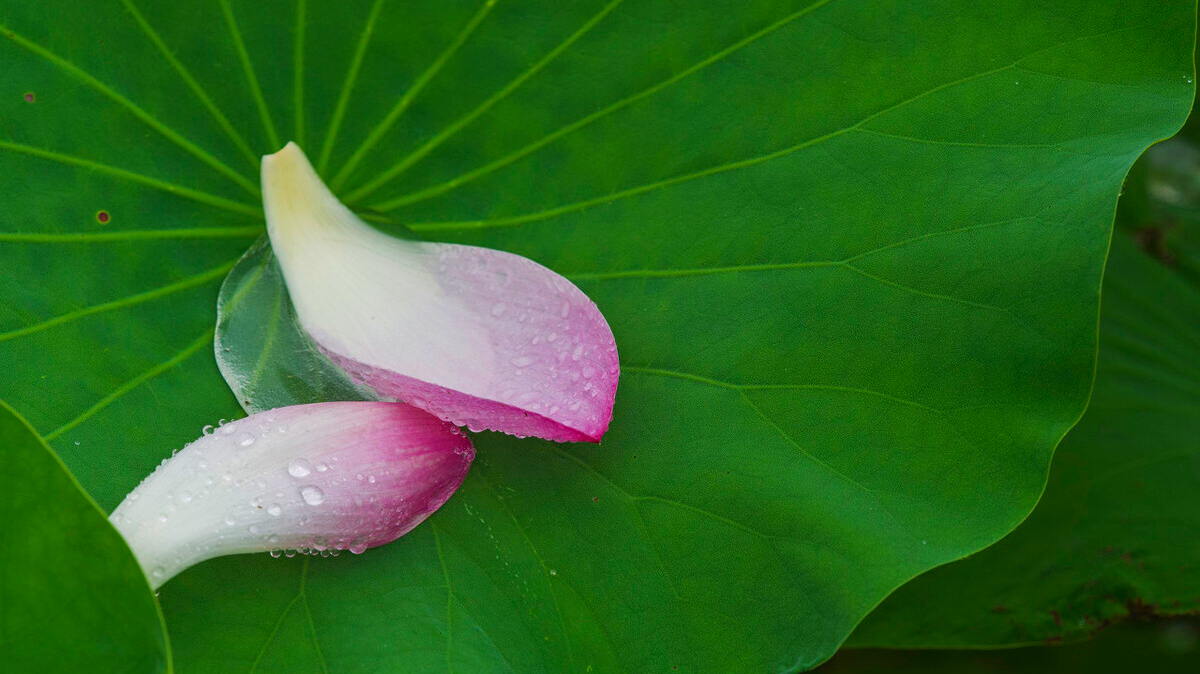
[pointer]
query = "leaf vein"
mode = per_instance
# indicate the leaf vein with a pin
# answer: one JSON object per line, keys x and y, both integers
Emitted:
{"x": 464, "y": 121}
{"x": 155, "y": 183}
{"x": 394, "y": 114}
{"x": 148, "y": 119}
{"x": 131, "y": 300}
{"x": 133, "y": 383}
{"x": 192, "y": 84}
{"x": 248, "y": 68}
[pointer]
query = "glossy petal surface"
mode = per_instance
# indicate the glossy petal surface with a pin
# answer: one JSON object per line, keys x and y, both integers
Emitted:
{"x": 480, "y": 337}
{"x": 326, "y": 476}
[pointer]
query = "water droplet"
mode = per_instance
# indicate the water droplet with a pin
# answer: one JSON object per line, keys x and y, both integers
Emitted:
{"x": 371, "y": 479}
{"x": 256, "y": 502}
{"x": 228, "y": 428}
{"x": 158, "y": 572}
{"x": 244, "y": 440}
{"x": 277, "y": 553}
{"x": 312, "y": 495}
{"x": 229, "y": 520}
{"x": 522, "y": 361}
{"x": 299, "y": 468}
{"x": 185, "y": 497}
{"x": 207, "y": 430}
{"x": 553, "y": 572}
{"x": 588, "y": 371}
{"x": 289, "y": 553}
{"x": 274, "y": 510}
{"x": 322, "y": 467}
{"x": 163, "y": 517}
{"x": 358, "y": 548}
{"x": 498, "y": 310}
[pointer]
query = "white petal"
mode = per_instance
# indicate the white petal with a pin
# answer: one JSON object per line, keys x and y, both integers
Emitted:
{"x": 480, "y": 337}
{"x": 346, "y": 475}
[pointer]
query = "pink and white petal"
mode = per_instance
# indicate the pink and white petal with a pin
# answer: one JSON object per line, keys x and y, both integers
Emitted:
{"x": 479, "y": 337}
{"x": 327, "y": 476}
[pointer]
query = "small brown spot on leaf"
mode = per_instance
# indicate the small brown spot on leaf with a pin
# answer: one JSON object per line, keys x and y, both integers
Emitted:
{"x": 103, "y": 217}
{"x": 29, "y": 97}
{"x": 595, "y": 499}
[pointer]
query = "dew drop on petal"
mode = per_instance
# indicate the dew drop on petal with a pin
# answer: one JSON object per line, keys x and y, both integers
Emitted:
{"x": 299, "y": 468}
{"x": 158, "y": 572}
{"x": 274, "y": 510}
{"x": 244, "y": 440}
{"x": 312, "y": 495}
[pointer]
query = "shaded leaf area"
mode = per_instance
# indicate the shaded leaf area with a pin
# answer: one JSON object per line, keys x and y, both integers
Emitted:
{"x": 850, "y": 252}
{"x": 73, "y": 596}
{"x": 1165, "y": 646}
{"x": 1114, "y": 534}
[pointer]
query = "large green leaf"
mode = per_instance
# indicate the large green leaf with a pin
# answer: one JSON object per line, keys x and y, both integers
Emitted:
{"x": 850, "y": 252}
{"x": 1114, "y": 535}
{"x": 72, "y": 596}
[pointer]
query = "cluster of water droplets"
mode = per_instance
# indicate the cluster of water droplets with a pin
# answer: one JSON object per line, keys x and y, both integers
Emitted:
{"x": 555, "y": 355}
{"x": 277, "y": 481}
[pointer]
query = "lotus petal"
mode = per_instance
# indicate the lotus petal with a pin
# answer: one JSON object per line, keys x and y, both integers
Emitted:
{"x": 326, "y": 476}
{"x": 478, "y": 337}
